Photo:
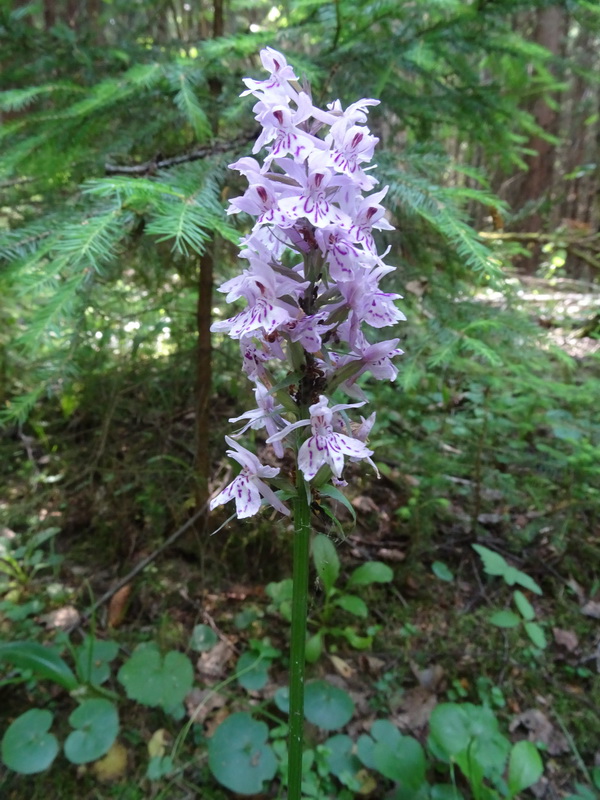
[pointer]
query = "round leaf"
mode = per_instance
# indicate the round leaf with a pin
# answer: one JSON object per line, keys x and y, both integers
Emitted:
{"x": 238, "y": 755}
{"x": 253, "y": 672}
{"x": 93, "y": 659}
{"x": 326, "y": 561}
{"x": 524, "y": 767}
{"x": 97, "y": 724}
{"x": 403, "y": 762}
{"x": 341, "y": 761}
{"x": 154, "y": 681}
{"x": 203, "y": 638}
{"x": 371, "y": 572}
{"x": 282, "y": 699}
{"x": 27, "y": 747}
{"x": 327, "y": 706}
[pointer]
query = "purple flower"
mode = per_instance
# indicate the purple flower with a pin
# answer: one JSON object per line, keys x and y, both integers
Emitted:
{"x": 266, "y": 415}
{"x": 325, "y": 446}
{"x": 248, "y": 488}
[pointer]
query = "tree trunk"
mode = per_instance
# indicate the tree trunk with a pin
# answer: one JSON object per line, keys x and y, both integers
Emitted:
{"x": 535, "y": 186}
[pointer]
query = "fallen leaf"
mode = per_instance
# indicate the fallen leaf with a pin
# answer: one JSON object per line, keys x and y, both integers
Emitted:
{"x": 418, "y": 287}
{"x": 157, "y": 745}
{"x": 112, "y": 766}
{"x": 201, "y": 702}
{"x": 591, "y": 609}
{"x": 61, "y": 618}
{"x": 118, "y": 606}
{"x": 342, "y": 667}
{"x": 368, "y": 784}
{"x": 430, "y": 677}
{"x": 371, "y": 664}
{"x": 540, "y": 729}
{"x": 386, "y": 554}
{"x": 365, "y": 504}
{"x": 566, "y": 639}
{"x": 415, "y": 709}
{"x": 213, "y": 663}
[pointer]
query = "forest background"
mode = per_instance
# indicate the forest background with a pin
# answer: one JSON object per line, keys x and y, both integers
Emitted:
{"x": 118, "y": 121}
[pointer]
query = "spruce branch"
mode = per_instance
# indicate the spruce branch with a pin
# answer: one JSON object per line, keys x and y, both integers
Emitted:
{"x": 158, "y": 163}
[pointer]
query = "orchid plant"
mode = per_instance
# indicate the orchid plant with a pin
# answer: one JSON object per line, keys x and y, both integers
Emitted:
{"x": 311, "y": 284}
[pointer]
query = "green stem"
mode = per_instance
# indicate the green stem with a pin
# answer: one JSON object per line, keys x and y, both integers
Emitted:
{"x": 298, "y": 644}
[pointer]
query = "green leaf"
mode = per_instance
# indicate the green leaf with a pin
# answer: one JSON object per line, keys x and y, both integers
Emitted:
{"x": 203, "y": 638}
{"x": 371, "y": 572}
{"x": 159, "y": 767}
{"x": 493, "y": 563}
{"x": 334, "y": 493}
{"x": 526, "y": 610}
{"x": 442, "y": 571}
{"x": 353, "y": 638}
{"x": 505, "y": 619}
{"x": 238, "y": 755}
{"x": 93, "y": 658}
{"x": 42, "y": 661}
{"x": 282, "y": 699}
{"x": 154, "y": 681}
{"x": 536, "y": 634}
{"x": 514, "y": 575}
{"x": 253, "y": 671}
{"x": 402, "y": 760}
{"x": 27, "y": 747}
{"x": 326, "y": 561}
{"x": 524, "y": 767}
{"x": 97, "y": 724}
{"x": 314, "y": 647}
{"x": 353, "y": 605}
{"x": 341, "y": 760}
{"x": 445, "y": 791}
{"x": 327, "y": 706}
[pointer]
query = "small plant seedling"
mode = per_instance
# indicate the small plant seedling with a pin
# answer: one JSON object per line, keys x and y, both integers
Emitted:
{"x": 495, "y": 564}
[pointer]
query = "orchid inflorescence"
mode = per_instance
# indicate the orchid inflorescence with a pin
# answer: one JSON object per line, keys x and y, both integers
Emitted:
{"x": 312, "y": 281}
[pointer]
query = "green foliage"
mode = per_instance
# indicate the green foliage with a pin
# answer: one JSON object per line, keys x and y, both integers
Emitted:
{"x": 239, "y": 756}
{"x": 154, "y": 680}
{"x": 496, "y": 565}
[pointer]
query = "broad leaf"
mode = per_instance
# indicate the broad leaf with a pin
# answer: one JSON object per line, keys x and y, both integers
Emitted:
{"x": 97, "y": 724}
{"x": 252, "y": 671}
{"x": 371, "y": 572}
{"x": 524, "y": 767}
{"x": 203, "y": 638}
{"x": 156, "y": 681}
{"x": 93, "y": 658}
{"x": 493, "y": 563}
{"x": 327, "y": 706}
{"x": 326, "y": 561}
{"x": 353, "y": 605}
{"x": 27, "y": 747}
{"x": 239, "y": 756}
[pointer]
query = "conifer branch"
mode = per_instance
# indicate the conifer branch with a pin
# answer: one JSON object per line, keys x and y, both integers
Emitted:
{"x": 150, "y": 167}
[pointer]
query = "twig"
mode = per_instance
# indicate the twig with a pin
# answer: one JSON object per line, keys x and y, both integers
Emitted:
{"x": 139, "y": 568}
{"x": 150, "y": 167}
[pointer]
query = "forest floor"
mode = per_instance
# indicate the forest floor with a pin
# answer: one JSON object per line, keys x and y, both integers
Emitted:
{"x": 112, "y": 480}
